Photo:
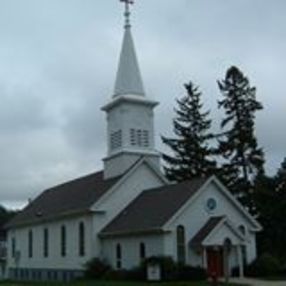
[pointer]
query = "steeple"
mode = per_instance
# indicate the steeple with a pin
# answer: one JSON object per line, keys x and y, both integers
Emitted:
{"x": 128, "y": 79}
{"x": 130, "y": 114}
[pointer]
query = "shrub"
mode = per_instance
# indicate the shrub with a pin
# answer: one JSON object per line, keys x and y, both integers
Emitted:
{"x": 186, "y": 272}
{"x": 96, "y": 268}
{"x": 135, "y": 274}
{"x": 167, "y": 264}
{"x": 265, "y": 265}
{"x": 176, "y": 271}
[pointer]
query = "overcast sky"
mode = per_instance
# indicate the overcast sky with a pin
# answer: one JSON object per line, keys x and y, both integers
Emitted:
{"x": 58, "y": 60}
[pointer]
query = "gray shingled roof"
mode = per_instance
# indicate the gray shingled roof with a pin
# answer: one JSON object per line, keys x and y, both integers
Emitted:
{"x": 152, "y": 209}
{"x": 206, "y": 230}
{"x": 128, "y": 79}
{"x": 72, "y": 197}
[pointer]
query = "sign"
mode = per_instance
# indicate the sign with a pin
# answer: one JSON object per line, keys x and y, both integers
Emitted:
{"x": 154, "y": 272}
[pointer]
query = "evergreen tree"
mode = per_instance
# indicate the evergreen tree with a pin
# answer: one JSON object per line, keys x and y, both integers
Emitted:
{"x": 5, "y": 215}
{"x": 280, "y": 179}
{"x": 244, "y": 160}
{"x": 190, "y": 147}
{"x": 270, "y": 198}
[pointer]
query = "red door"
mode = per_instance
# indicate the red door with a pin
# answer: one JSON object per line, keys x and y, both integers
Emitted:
{"x": 215, "y": 262}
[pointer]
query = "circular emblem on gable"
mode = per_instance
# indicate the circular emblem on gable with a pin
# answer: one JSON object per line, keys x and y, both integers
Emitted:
{"x": 211, "y": 204}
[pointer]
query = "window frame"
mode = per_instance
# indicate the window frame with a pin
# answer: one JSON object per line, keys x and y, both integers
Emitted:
{"x": 118, "y": 256}
{"x": 46, "y": 242}
{"x": 13, "y": 246}
{"x": 81, "y": 237}
{"x": 30, "y": 243}
{"x": 181, "y": 244}
{"x": 63, "y": 241}
{"x": 142, "y": 251}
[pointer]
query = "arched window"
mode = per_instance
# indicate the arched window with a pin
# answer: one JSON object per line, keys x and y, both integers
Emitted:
{"x": 63, "y": 241}
{"x": 118, "y": 256}
{"x": 30, "y": 244}
{"x": 181, "y": 244}
{"x": 81, "y": 241}
{"x": 142, "y": 251}
{"x": 46, "y": 242}
{"x": 13, "y": 246}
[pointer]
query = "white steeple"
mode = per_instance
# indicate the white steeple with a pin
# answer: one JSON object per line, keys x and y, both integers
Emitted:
{"x": 128, "y": 79}
{"x": 130, "y": 123}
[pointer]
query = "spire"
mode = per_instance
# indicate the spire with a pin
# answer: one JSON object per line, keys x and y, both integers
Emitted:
{"x": 128, "y": 79}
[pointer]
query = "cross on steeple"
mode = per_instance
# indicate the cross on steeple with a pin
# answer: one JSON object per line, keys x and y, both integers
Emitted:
{"x": 127, "y": 12}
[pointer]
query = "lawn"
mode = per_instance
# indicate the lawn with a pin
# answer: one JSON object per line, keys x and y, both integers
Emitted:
{"x": 110, "y": 283}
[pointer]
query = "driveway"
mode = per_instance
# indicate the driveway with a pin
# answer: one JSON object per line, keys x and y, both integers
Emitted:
{"x": 257, "y": 282}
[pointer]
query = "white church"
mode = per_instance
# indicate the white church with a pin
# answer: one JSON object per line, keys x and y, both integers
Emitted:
{"x": 129, "y": 211}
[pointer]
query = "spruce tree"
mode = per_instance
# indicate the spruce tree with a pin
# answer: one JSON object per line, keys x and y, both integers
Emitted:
{"x": 244, "y": 159}
{"x": 280, "y": 180}
{"x": 270, "y": 198}
{"x": 190, "y": 147}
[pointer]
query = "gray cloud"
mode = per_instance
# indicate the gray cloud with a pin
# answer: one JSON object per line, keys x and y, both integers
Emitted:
{"x": 58, "y": 61}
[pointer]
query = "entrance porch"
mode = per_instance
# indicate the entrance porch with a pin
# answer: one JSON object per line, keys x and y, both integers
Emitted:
{"x": 221, "y": 247}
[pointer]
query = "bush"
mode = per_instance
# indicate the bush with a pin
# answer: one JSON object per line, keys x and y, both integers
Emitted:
{"x": 96, "y": 268}
{"x": 263, "y": 266}
{"x": 186, "y": 272}
{"x": 167, "y": 264}
{"x": 135, "y": 274}
{"x": 176, "y": 271}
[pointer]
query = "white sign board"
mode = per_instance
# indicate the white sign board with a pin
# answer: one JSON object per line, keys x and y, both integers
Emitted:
{"x": 153, "y": 272}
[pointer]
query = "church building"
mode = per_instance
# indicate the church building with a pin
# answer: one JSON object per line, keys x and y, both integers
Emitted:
{"x": 129, "y": 211}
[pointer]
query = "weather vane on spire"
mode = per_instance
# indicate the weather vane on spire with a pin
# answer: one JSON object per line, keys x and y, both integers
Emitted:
{"x": 127, "y": 12}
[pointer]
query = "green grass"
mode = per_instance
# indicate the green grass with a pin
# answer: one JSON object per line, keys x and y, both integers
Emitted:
{"x": 110, "y": 283}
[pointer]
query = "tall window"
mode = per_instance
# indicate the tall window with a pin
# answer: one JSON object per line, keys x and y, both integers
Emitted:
{"x": 63, "y": 241}
{"x": 30, "y": 244}
{"x": 81, "y": 239}
{"x": 142, "y": 251}
{"x": 46, "y": 243}
{"x": 181, "y": 244}
{"x": 13, "y": 246}
{"x": 118, "y": 256}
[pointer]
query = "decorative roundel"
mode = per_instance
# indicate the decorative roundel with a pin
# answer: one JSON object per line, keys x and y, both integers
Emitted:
{"x": 211, "y": 204}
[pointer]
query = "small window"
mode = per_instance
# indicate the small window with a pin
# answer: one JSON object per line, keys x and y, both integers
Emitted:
{"x": 118, "y": 256}
{"x": 211, "y": 205}
{"x": 63, "y": 241}
{"x": 30, "y": 244}
{"x": 81, "y": 239}
{"x": 142, "y": 251}
{"x": 46, "y": 242}
{"x": 181, "y": 244}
